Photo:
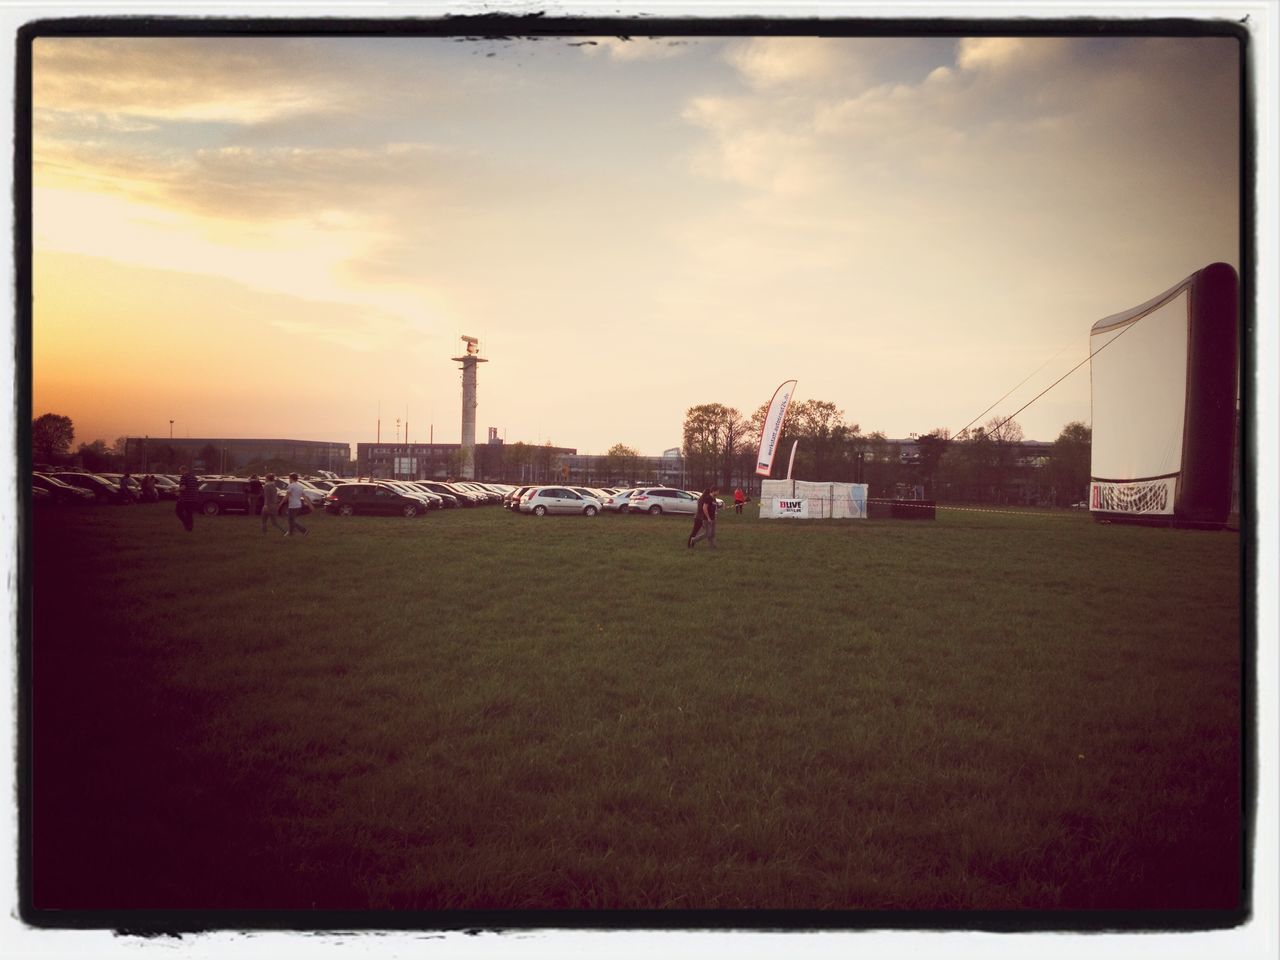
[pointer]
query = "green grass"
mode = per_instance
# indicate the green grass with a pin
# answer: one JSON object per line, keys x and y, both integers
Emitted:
{"x": 475, "y": 710}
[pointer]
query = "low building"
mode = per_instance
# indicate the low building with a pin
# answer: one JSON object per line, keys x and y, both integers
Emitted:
{"x": 513, "y": 463}
{"x": 229, "y": 454}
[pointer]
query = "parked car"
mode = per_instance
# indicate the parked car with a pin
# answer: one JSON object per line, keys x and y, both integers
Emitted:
{"x": 134, "y": 485}
{"x": 659, "y": 500}
{"x": 449, "y": 500}
{"x": 512, "y": 500}
{"x": 348, "y": 499}
{"x": 591, "y": 492}
{"x": 166, "y": 489}
{"x": 485, "y": 495}
{"x": 40, "y": 497}
{"x": 543, "y": 500}
{"x": 428, "y": 500}
{"x": 102, "y": 490}
{"x": 223, "y": 496}
{"x": 59, "y": 492}
{"x": 315, "y": 496}
{"x": 466, "y": 498}
{"x": 619, "y": 502}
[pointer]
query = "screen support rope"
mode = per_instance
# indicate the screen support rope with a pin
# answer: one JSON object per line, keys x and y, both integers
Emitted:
{"x": 1048, "y": 388}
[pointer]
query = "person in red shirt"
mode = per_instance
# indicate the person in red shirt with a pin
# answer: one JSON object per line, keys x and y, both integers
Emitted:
{"x": 739, "y": 498}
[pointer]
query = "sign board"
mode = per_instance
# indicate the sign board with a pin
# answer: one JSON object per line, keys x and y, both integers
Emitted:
{"x": 796, "y": 509}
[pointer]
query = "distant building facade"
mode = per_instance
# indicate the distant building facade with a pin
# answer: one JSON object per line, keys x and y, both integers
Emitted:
{"x": 496, "y": 461}
{"x": 227, "y": 454}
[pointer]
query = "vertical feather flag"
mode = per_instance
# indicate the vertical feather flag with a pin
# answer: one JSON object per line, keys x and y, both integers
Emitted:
{"x": 772, "y": 429}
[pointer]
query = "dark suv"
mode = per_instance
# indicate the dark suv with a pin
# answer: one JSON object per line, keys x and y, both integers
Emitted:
{"x": 223, "y": 496}
{"x": 347, "y": 499}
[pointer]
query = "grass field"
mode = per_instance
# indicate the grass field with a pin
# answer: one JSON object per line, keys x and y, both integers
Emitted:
{"x": 475, "y": 710}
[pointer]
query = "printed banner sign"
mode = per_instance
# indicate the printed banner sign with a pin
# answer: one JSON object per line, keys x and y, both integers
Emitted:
{"x": 1135, "y": 497}
{"x": 797, "y": 509}
{"x": 772, "y": 429}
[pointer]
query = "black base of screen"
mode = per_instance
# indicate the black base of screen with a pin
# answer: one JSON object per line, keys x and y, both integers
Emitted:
{"x": 902, "y": 509}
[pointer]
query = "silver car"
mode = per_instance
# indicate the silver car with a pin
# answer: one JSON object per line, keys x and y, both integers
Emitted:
{"x": 619, "y": 501}
{"x": 543, "y": 500}
{"x": 656, "y": 500}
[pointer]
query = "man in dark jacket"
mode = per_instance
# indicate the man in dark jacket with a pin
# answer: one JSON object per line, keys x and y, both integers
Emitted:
{"x": 704, "y": 523}
{"x": 188, "y": 497}
{"x": 254, "y": 494}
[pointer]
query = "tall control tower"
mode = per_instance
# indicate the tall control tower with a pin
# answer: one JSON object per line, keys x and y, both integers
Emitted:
{"x": 469, "y": 361}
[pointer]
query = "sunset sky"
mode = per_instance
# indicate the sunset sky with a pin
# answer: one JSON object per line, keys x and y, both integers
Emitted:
{"x": 286, "y": 237}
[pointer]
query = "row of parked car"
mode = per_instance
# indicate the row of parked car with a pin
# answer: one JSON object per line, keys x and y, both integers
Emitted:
{"x": 541, "y": 500}
{"x": 68, "y": 486}
{"x": 348, "y": 498}
{"x": 408, "y": 498}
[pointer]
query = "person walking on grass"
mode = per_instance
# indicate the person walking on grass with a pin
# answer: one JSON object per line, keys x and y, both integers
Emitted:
{"x": 739, "y": 498}
{"x": 254, "y": 494}
{"x": 704, "y": 522}
{"x": 295, "y": 494}
{"x": 270, "y": 503}
{"x": 188, "y": 497}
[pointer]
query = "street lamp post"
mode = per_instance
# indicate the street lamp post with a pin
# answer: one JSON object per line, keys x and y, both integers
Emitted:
{"x": 170, "y": 429}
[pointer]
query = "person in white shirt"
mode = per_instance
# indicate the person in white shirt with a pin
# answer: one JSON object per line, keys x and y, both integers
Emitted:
{"x": 294, "y": 493}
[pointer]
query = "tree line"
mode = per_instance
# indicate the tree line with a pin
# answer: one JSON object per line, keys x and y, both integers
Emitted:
{"x": 985, "y": 464}
{"x": 52, "y": 437}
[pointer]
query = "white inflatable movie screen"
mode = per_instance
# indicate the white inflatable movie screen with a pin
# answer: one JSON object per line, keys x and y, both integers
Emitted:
{"x": 1164, "y": 404}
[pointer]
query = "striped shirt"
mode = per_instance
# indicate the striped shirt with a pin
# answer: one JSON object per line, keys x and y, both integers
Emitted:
{"x": 188, "y": 488}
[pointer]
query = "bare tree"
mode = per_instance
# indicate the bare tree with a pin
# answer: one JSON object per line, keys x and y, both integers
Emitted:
{"x": 713, "y": 435}
{"x": 620, "y": 462}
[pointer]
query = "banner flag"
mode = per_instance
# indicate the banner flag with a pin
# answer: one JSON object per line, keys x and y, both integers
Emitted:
{"x": 772, "y": 429}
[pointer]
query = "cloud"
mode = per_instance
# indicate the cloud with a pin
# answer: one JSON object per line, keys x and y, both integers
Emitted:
{"x": 634, "y": 49}
{"x": 1010, "y": 53}
{"x": 817, "y": 108}
{"x": 782, "y": 63}
{"x": 248, "y": 80}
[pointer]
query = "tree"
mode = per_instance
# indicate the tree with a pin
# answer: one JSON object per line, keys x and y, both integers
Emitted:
{"x": 1070, "y": 463}
{"x": 1005, "y": 436}
{"x": 456, "y": 462}
{"x": 932, "y": 446}
{"x": 880, "y": 467}
{"x": 51, "y": 436}
{"x": 542, "y": 461}
{"x": 520, "y": 459}
{"x": 1004, "y": 431}
{"x": 713, "y": 436}
{"x": 95, "y": 457}
{"x": 491, "y": 461}
{"x": 824, "y": 438}
{"x": 620, "y": 462}
{"x": 160, "y": 457}
{"x": 209, "y": 459}
{"x": 970, "y": 467}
